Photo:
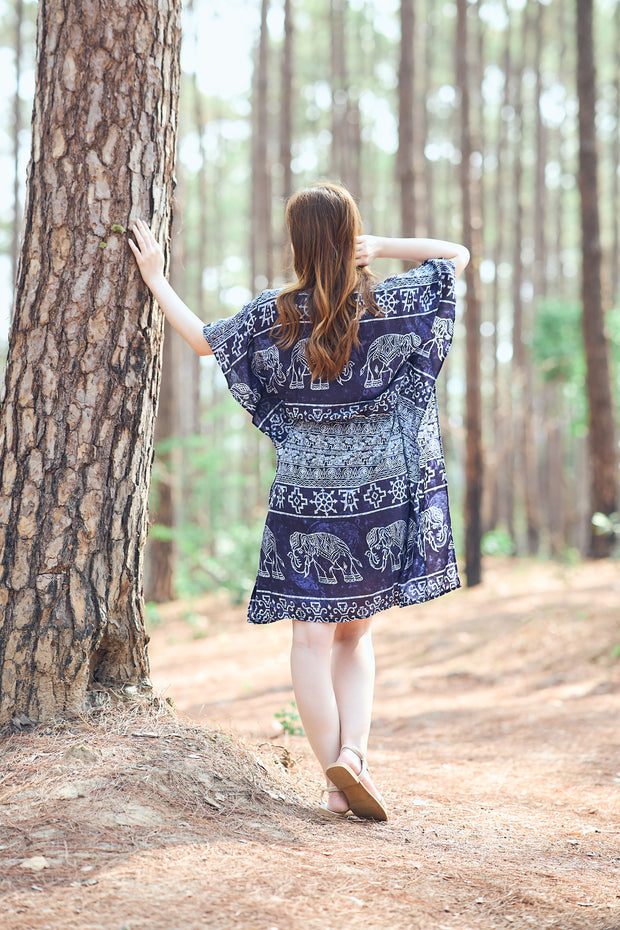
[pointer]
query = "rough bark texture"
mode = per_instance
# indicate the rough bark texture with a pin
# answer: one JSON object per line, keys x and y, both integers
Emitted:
{"x": 601, "y": 437}
{"x": 82, "y": 376}
{"x": 473, "y": 401}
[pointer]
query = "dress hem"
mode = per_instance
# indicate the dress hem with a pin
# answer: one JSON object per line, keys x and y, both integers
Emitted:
{"x": 398, "y": 599}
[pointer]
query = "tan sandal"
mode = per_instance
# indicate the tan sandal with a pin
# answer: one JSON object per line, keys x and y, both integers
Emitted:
{"x": 362, "y": 801}
{"x": 327, "y": 811}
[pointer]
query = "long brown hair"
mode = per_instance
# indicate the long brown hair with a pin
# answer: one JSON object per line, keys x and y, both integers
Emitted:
{"x": 323, "y": 222}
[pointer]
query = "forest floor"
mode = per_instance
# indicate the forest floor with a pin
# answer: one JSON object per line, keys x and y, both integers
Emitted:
{"x": 495, "y": 743}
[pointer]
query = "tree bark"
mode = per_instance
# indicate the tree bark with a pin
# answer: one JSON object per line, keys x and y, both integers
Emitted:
{"x": 473, "y": 401}
{"x": 404, "y": 159}
{"x": 614, "y": 271}
{"x": 340, "y": 96}
{"x": 17, "y": 125}
{"x": 260, "y": 244}
{"x": 161, "y": 549}
{"x": 601, "y": 436}
{"x": 286, "y": 113}
{"x": 82, "y": 376}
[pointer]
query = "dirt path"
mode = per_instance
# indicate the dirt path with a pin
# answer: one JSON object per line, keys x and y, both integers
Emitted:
{"x": 495, "y": 743}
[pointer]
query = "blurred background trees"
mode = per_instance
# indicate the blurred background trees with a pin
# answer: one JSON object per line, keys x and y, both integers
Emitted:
{"x": 388, "y": 97}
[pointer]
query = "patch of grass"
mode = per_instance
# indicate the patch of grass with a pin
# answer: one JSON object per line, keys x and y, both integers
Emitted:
{"x": 289, "y": 720}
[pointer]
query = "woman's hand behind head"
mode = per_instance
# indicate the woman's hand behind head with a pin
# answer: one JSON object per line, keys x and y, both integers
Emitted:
{"x": 367, "y": 249}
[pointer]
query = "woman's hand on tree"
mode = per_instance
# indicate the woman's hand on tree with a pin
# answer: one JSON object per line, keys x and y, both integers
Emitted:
{"x": 148, "y": 253}
{"x": 367, "y": 248}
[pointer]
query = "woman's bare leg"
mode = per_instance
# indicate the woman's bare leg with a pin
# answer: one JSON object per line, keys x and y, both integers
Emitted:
{"x": 311, "y": 652}
{"x": 353, "y": 677}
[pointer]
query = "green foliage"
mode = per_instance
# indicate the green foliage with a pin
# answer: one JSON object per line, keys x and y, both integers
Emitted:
{"x": 289, "y": 720}
{"x": 497, "y": 542}
{"x": 557, "y": 343}
{"x": 558, "y": 354}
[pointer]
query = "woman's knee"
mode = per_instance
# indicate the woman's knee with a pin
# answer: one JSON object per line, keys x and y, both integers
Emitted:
{"x": 353, "y": 631}
{"x": 315, "y": 636}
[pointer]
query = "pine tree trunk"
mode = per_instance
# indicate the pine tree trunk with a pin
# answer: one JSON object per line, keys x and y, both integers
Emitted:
{"x": 614, "y": 271}
{"x": 82, "y": 376}
{"x": 161, "y": 549}
{"x": 428, "y": 44}
{"x": 17, "y": 126}
{"x": 340, "y": 96}
{"x": 261, "y": 245}
{"x": 601, "y": 437}
{"x": 473, "y": 402}
{"x": 499, "y": 468}
{"x": 286, "y": 112}
{"x": 404, "y": 160}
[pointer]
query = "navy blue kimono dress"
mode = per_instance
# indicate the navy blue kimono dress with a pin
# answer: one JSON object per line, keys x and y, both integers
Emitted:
{"x": 358, "y": 515}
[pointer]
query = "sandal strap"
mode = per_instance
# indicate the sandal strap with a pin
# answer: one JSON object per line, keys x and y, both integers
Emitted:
{"x": 360, "y": 755}
{"x": 331, "y": 788}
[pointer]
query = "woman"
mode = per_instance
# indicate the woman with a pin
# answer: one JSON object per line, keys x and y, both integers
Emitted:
{"x": 339, "y": 371}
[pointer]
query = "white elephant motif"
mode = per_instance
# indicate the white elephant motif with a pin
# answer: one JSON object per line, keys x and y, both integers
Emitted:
{"x": 244, "y": 394}
{"x": 325, "y": 553}
{"x": 432, "y": 530}
{"x": 384, "y": 352}
{"x": 300, "y": 369}
{"x": 442, "y": 331}
{"x": 266, "y": 365}
{"x": 270, "y": 564}
{"x": 386, "y": 542}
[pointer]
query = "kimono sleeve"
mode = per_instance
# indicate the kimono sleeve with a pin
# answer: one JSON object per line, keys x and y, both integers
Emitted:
{"x": 232, "y": 342}
{"x": 428, "y": 297}
{"x": 437, "y": 306}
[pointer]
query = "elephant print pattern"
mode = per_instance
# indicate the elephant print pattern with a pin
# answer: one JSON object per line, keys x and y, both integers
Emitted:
{"x": 385, "y": 354}
{"x": 386, "y": 542}
{"x": 270, "y": 565}
{"x": 358, "y": 517}
{"x": 326, "y": 554}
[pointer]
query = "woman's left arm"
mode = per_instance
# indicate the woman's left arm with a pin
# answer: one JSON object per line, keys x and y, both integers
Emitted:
{"x": 150, "y": 259}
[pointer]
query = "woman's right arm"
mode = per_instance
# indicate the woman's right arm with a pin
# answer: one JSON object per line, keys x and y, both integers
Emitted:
{"x": 150, "y": 259}
{"x": 410, "y": 250}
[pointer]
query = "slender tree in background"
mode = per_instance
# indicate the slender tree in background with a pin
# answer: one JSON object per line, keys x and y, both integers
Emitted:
{"x": 339, "y": 83}
{"x": 601, "y": 437}
{"x": 17, "y": 126}
{"x": 527, "y": 483}
{"x": 404, "y": 158}
{"x": 161, "y": 549}
{"x": 499, "y": 463}
{"x": 82, "y": 376}
{"x": 473, "y": 402}
{"x": 260, "y": 235}
{"x": 614, "y": 275}
{"x": 425, "y": 88}
{"x": 286, "y": 110}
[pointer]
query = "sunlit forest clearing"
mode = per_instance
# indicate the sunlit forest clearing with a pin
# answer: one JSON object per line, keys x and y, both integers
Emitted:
{"x": 171, "y": 787}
